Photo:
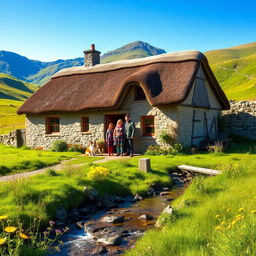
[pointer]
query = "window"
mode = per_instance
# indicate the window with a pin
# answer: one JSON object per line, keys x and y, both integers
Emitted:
{"x": 85, "y": 124}
{"x": 139, "y": 93}
{"x": 52, "y": 125}
{"x": 148, "y": 125}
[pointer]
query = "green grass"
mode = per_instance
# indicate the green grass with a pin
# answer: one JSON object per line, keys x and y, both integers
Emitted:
{"x": 15, "y": 160}
{"x": 192, "y": 229}
{"x": 41, "y": 194}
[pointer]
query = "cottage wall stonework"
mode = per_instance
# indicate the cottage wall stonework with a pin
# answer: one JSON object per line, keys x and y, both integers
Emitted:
{"x": 241, "y": 119}
{"x": 70, "y": 125}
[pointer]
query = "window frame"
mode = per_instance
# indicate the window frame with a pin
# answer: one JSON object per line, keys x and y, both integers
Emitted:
{"x": 136, "y": 94}
{"x": 144, "y": 126}
{"x": 83, "y": 126}
{"x": 48, "y": 126}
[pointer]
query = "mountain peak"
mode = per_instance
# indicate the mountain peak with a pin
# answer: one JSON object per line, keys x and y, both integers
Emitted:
{"x": 136, "y": 49}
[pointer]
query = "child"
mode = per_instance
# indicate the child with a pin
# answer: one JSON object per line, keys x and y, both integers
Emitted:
{"x": 119, "y": 137}
{"x": 110, "y": 139}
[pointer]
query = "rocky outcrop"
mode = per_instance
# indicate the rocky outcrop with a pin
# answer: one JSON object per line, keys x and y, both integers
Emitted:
{"x": 240, "y": 119}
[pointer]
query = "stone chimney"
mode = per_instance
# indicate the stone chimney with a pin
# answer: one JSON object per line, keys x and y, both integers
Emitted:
{"x": 91, "y": 57}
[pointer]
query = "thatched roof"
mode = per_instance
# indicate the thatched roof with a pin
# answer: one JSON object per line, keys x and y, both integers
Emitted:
{"x": 166, "y": 79}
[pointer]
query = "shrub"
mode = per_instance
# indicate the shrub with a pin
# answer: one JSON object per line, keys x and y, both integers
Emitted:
{"x": 51, "y": 172}
{"x": 59, "y": 146}
{"x": 76, "y": 148}
{"x": 98, "y": 173}
{"x": 159, "y": 150}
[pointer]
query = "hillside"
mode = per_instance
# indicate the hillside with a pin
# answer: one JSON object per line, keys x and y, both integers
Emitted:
{"x": 12, "y": 94}
{"x": 9, "y": 120}
{"x": 235, "y": 69}
{"x": 15, "y": 89}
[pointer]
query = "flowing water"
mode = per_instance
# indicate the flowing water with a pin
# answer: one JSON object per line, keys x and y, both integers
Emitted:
{"x": 78, "y": 242}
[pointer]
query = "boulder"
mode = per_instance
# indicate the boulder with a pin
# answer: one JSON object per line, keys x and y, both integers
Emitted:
{"x": 61, "y": 214}
{"x": 111, "y": 240}
{"x": 164, "y": 193}
{"x": 98, "y": 250}
{"x": 146, "y": 217}
{"x": 168, "y": 209}
{"x": 84, "y": 210}
{"x": 91, "y": 193}
{"x": 112, "y": 219}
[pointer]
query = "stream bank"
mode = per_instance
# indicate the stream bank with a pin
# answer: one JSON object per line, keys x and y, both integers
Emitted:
{"x": 112, "y": 224}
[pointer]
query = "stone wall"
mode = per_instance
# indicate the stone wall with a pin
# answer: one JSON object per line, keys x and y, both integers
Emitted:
{"x": 14, "y": 138}
{"x": 241, "y": 119}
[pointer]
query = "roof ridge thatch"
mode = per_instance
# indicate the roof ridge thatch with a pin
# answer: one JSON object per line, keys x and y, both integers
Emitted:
{"x": 165, "y": 57}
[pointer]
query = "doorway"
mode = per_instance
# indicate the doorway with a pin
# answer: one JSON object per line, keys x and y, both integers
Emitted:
{"x": 113, "y": 119}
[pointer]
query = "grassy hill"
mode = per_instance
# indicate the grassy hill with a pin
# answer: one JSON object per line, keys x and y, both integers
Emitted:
{"x": 9, "y": 120}
{"x": 235, "y": 69}
{"x": 12, "y": 94}
{"x": 14, "y": 89}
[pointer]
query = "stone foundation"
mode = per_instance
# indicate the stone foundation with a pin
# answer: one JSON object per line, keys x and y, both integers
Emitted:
{"x": 241, "y": 119}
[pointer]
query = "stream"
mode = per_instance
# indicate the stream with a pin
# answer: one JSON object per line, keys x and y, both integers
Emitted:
{"x": 86, "y": 240}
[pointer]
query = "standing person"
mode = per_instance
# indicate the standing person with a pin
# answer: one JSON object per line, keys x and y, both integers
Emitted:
{"x": 129, "y": 135}
{"x": 110, "y": 139}
{"x": 119, "y": 137}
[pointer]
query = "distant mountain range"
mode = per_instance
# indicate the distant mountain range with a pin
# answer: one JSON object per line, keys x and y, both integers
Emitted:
{"x": 235, "y": 68}
{"x": 38, "y": 72}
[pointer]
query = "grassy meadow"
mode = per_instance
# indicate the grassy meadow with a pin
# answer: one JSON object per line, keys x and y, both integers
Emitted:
{"x": 16, "y": 160}
{"x": 215, "y": 216}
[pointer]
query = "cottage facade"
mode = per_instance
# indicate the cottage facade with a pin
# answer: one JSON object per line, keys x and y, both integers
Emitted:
{"x": 176, "y": 93}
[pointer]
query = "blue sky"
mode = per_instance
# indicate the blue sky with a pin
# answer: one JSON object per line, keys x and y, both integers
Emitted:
{"x": 50, "y": 29}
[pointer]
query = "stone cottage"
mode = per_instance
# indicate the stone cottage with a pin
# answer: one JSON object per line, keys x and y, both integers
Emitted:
{"x": 173, "y": 92}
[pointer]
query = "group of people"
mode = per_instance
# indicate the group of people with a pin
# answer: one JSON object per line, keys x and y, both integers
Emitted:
{"x": 121, "y": 136}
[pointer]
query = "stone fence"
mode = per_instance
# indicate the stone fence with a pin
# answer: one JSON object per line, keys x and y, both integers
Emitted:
{"x": 241, "y": 119}
{"x": 16, "y": 138}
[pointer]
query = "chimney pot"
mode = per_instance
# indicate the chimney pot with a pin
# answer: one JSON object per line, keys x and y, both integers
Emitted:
{"x": 91, "y": 57}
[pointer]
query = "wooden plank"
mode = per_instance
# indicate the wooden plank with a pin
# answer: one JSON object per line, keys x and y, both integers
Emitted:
{"x": 199, "y": 169}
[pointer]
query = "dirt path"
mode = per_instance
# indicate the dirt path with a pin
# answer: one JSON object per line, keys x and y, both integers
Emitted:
{"x": 57, "y": 167}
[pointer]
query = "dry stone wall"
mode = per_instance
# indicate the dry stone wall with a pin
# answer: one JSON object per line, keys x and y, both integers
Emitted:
{"x": 241, "y": 119}
{"x": 15, "y": 138}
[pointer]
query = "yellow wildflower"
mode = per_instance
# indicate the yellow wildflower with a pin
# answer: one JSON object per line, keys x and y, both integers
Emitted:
{"x": 229, "y": 226}
{"x": 233, "y": 222}
{"x": 239, "y": 217}
{"x": 223, "y": 223}
{"x": 241, "y": 209}
{"x": 24, "y": 236}
{"x": 2, "y": 241}
{"x": 218, "y": 228}
{"x": 10, "y": 229}
{"x": 228, "y": 210}
{"x": 253, "y": 211}
{"x": 217, "y": 216}
{"x": 3, "y": 217}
